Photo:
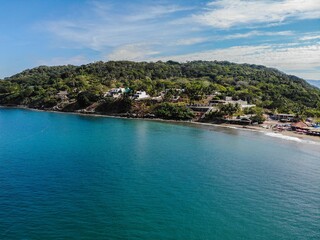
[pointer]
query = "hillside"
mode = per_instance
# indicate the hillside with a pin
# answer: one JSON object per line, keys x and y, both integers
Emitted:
{"x": 85, "y": 85}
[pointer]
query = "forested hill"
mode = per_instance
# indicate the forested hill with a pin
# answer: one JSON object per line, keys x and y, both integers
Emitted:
{"x": 266, "y": 87}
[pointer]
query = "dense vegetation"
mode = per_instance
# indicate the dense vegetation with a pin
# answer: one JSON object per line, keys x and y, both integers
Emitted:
{"x": 268, "y": 88}
{"x": 173, "y": 111}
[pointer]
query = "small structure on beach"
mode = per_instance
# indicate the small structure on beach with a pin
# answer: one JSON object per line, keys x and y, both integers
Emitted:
{"x": 304, "y": 128}
{"x": 241, "y": 120}
{"x": 299, "y": 125}
{"x": 314, "y": 132}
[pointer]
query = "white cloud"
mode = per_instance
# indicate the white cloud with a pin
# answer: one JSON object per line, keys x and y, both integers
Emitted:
{"x": 140, "y": 32}
{"x": 103, "y": 26}
{"x": 153, "y": 12}
{"x": 300, "y": 60}
{"x": 196, "y": 40}
{"x": 132, "y": 52}
{"x": 255, "y": 34}
{"x": 75, "y": 60}
{"x": 310, "y": 37}
{"x": 190, "y": 41}
{"x": 230, "y": 13}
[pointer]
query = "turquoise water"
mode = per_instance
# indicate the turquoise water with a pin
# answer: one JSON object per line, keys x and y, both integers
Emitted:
{"x": 79, "y": 177}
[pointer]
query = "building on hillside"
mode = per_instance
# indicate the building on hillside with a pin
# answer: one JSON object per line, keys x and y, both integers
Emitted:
{"x": 243, "y": 105}
{"x": 141, "y": 95}
{"x": 158, "y": 98}
{"x": 217, "y": 102}
{"x": 175, "y": 98}
{"x": 115, "y": 92}
{"x": 63, "y": 95}
{"x": 175, "y": 90}
{"x": 228, "y": 100}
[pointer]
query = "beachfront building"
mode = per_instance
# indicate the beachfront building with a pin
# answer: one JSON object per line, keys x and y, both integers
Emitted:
{"x": 299, "y": 125}
{"x": 314, "y": 131}
{"x": 141, "y": 95}
{"x": 283, "y": 117}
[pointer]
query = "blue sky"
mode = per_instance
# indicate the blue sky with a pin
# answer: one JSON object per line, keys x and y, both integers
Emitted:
{"x": 284, "y": 34}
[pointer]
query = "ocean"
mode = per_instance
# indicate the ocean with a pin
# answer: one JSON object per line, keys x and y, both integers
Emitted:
{"x": 66, "y": 176}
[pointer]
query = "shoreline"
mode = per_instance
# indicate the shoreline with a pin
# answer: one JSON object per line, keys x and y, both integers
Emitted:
{"x": 289, "y": 135}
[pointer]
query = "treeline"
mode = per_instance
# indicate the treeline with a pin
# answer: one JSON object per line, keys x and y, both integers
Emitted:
{"x": 268, "y": 88}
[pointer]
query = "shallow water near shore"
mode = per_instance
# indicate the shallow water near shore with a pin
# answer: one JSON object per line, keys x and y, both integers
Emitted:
{"x": 82, "y": 177}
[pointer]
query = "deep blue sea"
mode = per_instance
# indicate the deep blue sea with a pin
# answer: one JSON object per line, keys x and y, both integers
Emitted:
{"x": 65, "y": 176}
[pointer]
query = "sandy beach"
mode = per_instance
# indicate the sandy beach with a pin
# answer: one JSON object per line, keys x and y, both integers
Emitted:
{"x": 289, "y": 135}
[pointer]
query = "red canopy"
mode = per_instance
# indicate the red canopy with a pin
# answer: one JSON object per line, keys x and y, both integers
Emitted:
{"x": 300, "y": 125}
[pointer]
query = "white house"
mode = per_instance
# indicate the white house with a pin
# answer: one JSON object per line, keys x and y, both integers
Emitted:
{"x": 243, "y": 104}
{"x": 63, "y": 95}
{"x": 141, "y": 95}
{"x": 115, "y": 92}
{"x": 247, "y": 105}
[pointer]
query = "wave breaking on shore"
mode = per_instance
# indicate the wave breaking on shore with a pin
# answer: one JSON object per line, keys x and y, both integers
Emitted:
{"x": 290, "y": 138}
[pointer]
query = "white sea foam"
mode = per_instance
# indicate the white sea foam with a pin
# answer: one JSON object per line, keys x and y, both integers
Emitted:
{"x": 232, "y": 127}
{"x": 290, "y": 138}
